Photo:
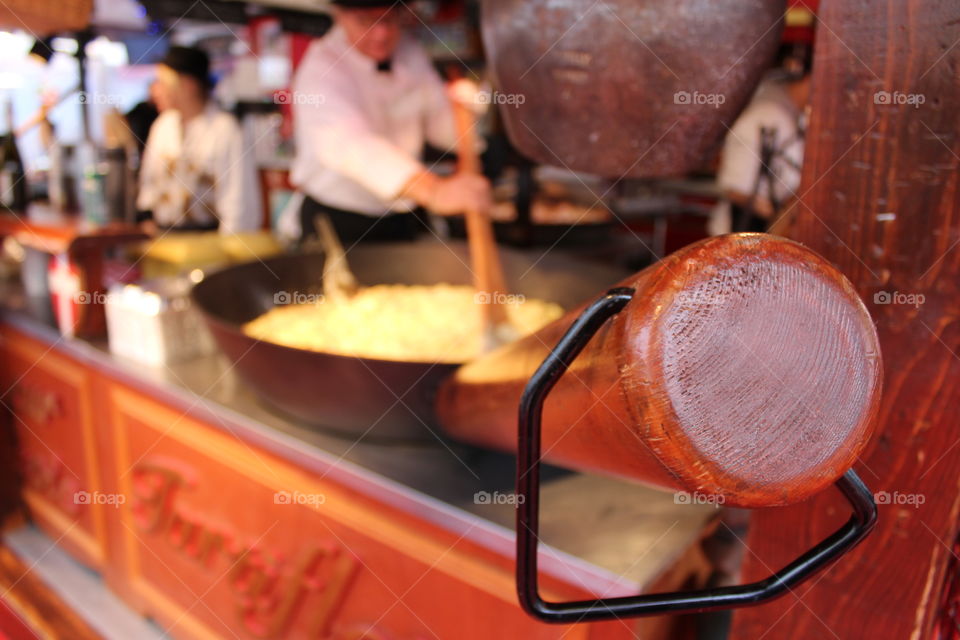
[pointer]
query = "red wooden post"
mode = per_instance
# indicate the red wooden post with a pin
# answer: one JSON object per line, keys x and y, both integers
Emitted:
{"x": 881, "y": 200}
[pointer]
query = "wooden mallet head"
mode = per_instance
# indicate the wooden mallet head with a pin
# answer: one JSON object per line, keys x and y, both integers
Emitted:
{"x": 745, "y": 368}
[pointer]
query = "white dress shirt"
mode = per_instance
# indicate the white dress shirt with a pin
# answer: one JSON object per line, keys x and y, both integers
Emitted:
{"x": 359, "y": 131}
{"x": 740, "y": 163}
{"x": 200, "y": 173}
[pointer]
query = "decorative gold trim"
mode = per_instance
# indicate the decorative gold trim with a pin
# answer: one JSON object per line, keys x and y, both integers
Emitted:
{"x": 338, "y": 505}
{"x": 79, "y": 380}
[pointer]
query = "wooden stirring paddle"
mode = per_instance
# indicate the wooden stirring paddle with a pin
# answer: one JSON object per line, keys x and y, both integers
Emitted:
{"x": 338, "y": 281}
{"x": 485, "y": 260}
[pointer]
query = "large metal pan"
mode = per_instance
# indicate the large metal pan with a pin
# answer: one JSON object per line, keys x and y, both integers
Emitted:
{"x": 638, "y": 88}
{"x": 380, "y": 398}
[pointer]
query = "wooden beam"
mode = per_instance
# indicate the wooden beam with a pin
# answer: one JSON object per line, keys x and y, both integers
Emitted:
{"x": 881, "y": 200}
{"x": 41, "y": 18}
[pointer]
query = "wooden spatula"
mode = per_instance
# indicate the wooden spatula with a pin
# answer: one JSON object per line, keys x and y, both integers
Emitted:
{"x": 485, "y": 260}
{"x": 338, "y": 280}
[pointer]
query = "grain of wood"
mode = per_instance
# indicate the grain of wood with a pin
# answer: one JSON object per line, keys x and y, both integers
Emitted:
{"x": 881, "y": 202}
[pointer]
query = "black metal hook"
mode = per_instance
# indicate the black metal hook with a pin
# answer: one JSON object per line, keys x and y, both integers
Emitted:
{"x": 528, "y": 491}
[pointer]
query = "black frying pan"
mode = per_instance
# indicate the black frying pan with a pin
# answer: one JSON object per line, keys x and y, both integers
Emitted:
{"x": 381, "y": 398}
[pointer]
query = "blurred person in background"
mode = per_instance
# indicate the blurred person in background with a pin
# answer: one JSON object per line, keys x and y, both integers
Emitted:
{"x": 197, "y": 173}
{"x": 762, "y": 157}
{"x": 141, "y": 117}
{"x": 365, "y": 100}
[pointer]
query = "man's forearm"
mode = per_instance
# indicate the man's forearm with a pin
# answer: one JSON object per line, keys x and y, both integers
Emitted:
{"x": 421, "y": 187}
{"x": 452, "y": 195}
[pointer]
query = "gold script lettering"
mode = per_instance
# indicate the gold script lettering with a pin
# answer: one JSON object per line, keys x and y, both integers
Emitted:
{"x": 271, "y": 590}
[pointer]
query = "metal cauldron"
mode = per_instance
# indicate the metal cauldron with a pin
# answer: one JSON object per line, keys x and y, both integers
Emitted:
{"x": 626, "y": 88}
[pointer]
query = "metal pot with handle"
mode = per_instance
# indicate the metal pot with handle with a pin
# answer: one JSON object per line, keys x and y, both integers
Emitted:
{"x": 631, "y": 88}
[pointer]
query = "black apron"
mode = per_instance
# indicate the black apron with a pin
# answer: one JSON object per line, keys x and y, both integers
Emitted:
{"x": 352, "y": 227}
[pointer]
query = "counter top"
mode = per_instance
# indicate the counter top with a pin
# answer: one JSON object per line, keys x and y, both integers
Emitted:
{"x": 611, "y": 536}
{"x": 45, "y": 228}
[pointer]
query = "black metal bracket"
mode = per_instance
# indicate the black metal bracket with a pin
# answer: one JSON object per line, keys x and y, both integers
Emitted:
{"x": 528, "y": 505}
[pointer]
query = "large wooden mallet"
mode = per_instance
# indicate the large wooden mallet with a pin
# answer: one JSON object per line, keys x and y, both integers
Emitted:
{"x": 744, "y": 368}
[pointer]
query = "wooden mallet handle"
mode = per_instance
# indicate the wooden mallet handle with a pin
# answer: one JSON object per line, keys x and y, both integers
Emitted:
{"x": 485, "y": 261}
{"x": 745, "y": 368}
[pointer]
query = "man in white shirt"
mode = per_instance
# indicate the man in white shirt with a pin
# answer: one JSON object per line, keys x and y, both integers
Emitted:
{"x": 196, "y": 173}
{"x": 365, "y": 99}
{"x": 760, "y": 166}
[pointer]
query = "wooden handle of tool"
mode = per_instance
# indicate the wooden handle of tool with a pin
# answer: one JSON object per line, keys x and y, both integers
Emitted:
{"x": 745, "y": 368}
{"x": 485, "y": 261}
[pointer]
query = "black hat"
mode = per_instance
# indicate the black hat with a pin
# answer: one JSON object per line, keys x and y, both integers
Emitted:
{"x": 43, "y": 49}
{"x": 189, "y": 61}
{"x": 366, "y": 4}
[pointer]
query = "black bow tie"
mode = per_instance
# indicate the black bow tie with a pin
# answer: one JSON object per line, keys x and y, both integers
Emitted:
{"x": 385, "y": 66}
